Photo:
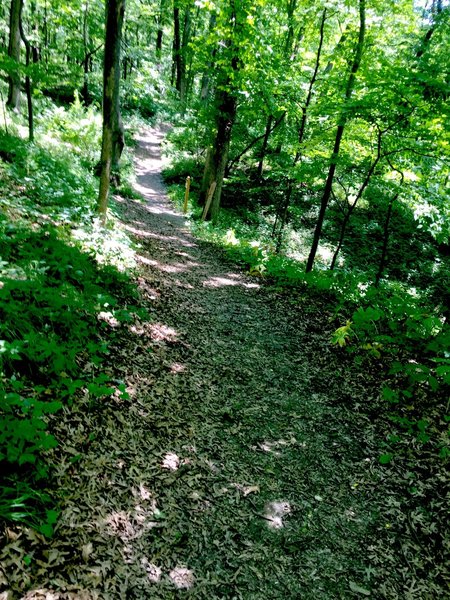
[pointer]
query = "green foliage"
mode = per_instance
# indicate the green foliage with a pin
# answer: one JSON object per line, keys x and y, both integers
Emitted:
{"x": 57, "y": 279}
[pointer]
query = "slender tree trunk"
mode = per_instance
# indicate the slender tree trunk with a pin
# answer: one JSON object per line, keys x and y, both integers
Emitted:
{"x": 249, "y": 146}
{"x": 204, "y": 87}
{"x": 281, "y": 218}
{"x": 28, "y": 86}
{"x": 359, "y": 195}
{"x": 217, "y": 156}
{"x": 190, "y": 75}
{"x": 264, "y": 147}
{"x": 14, "y": 52}
{"x": 160, "y": 30}
{"x": 176, "y": 59}
{"x": 384, "y": 249}
{"x": 291, "y": 6}
{"x": 45, "y": 31}
{"x": 35, "y": 49}
{"x": 115, "y": 10}
{"x": 85, "y": 89}
{"x": 339, "y": 133}
{"x": 183, "y": 52}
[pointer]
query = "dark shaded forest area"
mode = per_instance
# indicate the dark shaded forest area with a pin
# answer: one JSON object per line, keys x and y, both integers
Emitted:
{"x": 224, "y": 299}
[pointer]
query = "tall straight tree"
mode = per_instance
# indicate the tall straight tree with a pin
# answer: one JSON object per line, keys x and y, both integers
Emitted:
{"x": 225, "y": 105}
{"x": 339, "y": 133}
{"x": 115, "y": 10}
{"x": 14, "y": 52}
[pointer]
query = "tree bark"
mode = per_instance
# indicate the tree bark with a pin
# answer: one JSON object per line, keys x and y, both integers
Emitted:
{"x": 115, "y": 10}
{"x": 183, "y": 52}
{"x": 301, "y": 134}
{"x": 28, "y": 86}
{"x": 160, "y": 31}
{"x": 217, "y": 156}
{"x": 14, "y": 52}
{"x": 338, "y": 139}
{"x": 359, "y": 195}
{"x": 204, "y": 87}
{"x": 249, "y": 146}
{"x": 384, "y": 249}
{"x": 176, "y": 56}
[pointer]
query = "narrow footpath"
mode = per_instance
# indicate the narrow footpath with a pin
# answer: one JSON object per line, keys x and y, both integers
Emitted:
{"x": 244, "y": 461}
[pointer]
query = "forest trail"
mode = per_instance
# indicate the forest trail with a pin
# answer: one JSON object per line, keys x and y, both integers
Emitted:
{"x": 240, "y": 465}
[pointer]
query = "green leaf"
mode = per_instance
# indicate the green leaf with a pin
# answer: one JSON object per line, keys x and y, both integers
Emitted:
{"x": 52, "y": 516}
{"x": 358, "y": 589}
{"x": 385, "y": 459}
{"x": 27, "y": 458}
{"x": 46, "y": 530}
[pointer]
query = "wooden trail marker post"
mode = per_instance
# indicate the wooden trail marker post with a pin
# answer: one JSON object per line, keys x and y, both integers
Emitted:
{"x": 209, "y": 198}
{"x": 186, "y": 195}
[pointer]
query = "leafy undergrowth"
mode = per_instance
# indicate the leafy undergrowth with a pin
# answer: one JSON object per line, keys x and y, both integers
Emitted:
{"x": 63, "y": 281}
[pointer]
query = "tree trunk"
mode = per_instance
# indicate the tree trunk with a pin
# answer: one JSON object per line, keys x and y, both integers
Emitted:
{"x": 231, "y": 165}
{"x": 28, "y": 87}
{"x": 160, "y": 30}
{"x": 176, "y": 57}
{"x": 338, "y": 139}
{"x": 291, "y": 6}
{"x": 183, "y": 52}
{"x": 264, "y": 147}
{"x": 387, "y": 223}
{"x": 301, "y": 134}
{"x": 115, "y": 10}
{"x": 352, "y": 207}
{"x": 85, "y": 89}
{"x": 217, "y": 156}
{"x": 204, "y": 87}
{"x": 14, "y": 52}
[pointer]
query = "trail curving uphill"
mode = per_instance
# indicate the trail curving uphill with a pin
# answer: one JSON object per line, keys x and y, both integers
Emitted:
{"x": 244, "y": 463}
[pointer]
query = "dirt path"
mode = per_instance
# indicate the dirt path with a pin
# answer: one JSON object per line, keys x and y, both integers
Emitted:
{"x": 242, "y": 464}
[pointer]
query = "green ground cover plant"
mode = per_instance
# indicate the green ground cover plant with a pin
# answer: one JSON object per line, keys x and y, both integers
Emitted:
{"x": 58, "y": 272}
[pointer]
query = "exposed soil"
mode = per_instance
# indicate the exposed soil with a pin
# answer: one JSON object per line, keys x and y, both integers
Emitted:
{"x": 244, "y": 463}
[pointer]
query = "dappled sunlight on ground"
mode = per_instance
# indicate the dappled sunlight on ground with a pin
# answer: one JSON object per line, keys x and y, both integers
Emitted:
{"x": 129, "y": 526}
{"x": 182, "y": 578}
{"x": 171, "y": 461}
{"x": 210, "y": 473}
{"x": 275, "y": 512}
{"x": 46, "y": 594}
{"x": 109, "y": 318}
{"x": 217, "y": 282}
{"x": 153, "y": 571}
{"x": 161, "y": 332}
{"x": 275, "y": 446}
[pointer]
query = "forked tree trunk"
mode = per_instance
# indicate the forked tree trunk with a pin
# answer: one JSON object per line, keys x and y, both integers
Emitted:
{"x": 338, "y": 139}
{"x": 14, "y": 52}
{"x": 115, "y": 10}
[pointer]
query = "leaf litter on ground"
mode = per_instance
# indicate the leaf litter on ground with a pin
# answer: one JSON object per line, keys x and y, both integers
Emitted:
{"x": 243, "y": 462}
